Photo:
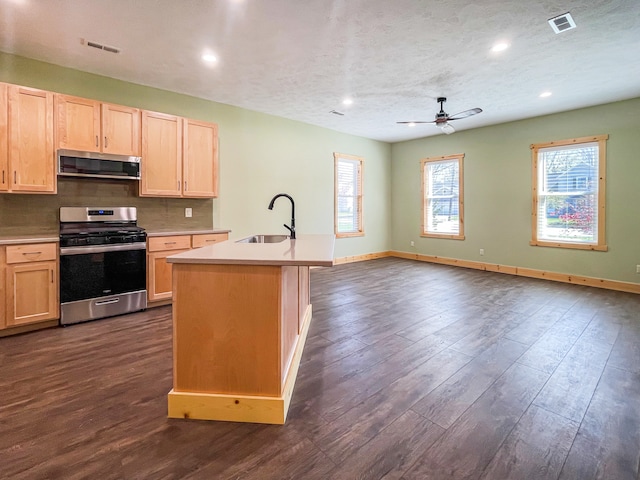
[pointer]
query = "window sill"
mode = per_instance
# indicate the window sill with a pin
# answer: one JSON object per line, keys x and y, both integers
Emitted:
{"x": 442, "y": 235}
{"x": 575, "y": 246}
{"x": 351, "y": 234}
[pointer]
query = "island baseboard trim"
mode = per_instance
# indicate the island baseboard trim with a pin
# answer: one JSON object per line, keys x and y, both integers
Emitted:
{"x": 241, "y": 408}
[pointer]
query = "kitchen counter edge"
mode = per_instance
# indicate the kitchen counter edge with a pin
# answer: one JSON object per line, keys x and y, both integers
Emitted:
{"x": 306, "y": 250}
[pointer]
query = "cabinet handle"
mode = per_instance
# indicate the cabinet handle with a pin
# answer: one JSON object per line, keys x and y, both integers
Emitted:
{"x": 178, "y": 185}
{"x": 185, "y": 185}
{"x": 97, "y": 140}
{"x": 31, "y": 253}
{"x": 52, "y": 275}
{"x": 169, "y": 243}
{"x": 15, "y": 178}
{"x": 2, "y": 176}
{"x": 106, "y": 142}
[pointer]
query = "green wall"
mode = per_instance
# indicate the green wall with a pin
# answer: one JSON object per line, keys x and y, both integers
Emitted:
{"x": 260, "y": 155}
{"x": 498, "y": 189}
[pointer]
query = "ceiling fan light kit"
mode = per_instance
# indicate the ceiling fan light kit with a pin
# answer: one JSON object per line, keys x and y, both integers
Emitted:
{"x": 443, "y": 118}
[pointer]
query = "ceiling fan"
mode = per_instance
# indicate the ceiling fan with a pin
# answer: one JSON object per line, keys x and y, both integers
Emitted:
{"x": 443, "y": 118}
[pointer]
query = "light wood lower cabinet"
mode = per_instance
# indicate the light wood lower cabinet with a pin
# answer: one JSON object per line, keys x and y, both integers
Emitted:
{"x": 31, "y": 276}
{"x": 159, "y": 278}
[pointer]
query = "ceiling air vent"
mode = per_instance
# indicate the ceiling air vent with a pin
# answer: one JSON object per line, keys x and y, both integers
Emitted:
{"x": 562, "y": 23}
{"x": 99, "y": 46}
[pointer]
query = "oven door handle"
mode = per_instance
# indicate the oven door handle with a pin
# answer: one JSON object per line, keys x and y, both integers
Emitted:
{"x": 119, "y": 247}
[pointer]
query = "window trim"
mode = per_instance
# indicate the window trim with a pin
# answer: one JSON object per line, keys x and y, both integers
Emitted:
{"x": 600, "y": 244}
{"x": 423, "y": 165}
{"x": 336, "y": 160}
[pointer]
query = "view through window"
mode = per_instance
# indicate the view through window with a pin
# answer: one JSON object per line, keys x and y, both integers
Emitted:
{"x": 568, "y": 196}
{"x": 442, "y": 206}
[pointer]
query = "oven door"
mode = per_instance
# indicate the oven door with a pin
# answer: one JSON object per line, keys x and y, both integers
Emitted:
{"x": 100, "y": 281}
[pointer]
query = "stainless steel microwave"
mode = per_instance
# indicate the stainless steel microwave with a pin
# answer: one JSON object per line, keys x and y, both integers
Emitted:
{"x": 98, "y": 165}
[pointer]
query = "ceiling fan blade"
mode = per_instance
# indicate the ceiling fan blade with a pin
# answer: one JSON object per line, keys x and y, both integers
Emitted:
{"x": 416, "y": 121}
{"x": 465, "y": 114}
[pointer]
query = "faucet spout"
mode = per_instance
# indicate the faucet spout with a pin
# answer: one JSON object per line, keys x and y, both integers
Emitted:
{"x": 292, "y": 228}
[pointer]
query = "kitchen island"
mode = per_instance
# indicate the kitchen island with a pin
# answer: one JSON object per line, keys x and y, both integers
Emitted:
{"x": 241, "y": 313}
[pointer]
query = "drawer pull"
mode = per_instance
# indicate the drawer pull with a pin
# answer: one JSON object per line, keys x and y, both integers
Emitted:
{"x": 31, "y": 253}
{"x": 106, "y": 302}
{"x": 169, "y": 243}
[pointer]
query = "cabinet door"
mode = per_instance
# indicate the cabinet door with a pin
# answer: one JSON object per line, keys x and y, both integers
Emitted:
{"x": 3, "y": 297}
{"x": 31, "y": 152}
{"x": 31, "y": 292}
{"x": 161, "y": 167}
{"x": 159, "y": 275}
{"x": 4, "y": 139}
{"x": 120, "y": 130}
{"x": 77, "y": 124}
{"x": 200, "y": 159}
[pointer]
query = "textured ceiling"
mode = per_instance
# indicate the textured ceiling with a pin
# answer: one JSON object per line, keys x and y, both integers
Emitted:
{"x": 299, "y": 58}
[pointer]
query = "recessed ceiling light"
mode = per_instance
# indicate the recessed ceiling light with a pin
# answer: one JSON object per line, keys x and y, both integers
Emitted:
{"x": 500, "y": 47}
{"x": 347, "y": 101}
{"x": 545, "y": 94}
{"x": 209, "y": 58}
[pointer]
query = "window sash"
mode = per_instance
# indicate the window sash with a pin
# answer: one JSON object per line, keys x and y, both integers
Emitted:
{"x": 569, "y": 180}
{"x": 348, "y": 195}
{"x": 442, "y": 212}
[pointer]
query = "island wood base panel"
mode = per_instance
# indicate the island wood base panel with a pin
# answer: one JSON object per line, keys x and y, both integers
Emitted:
{"x": 242, "y": 408}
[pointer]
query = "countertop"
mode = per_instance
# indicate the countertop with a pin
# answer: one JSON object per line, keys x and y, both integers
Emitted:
{"x": 166, "y": 233}
{"x": 21, "y": 239}
{"x": 55, "y": 237}
{"x": 311, "y": 250}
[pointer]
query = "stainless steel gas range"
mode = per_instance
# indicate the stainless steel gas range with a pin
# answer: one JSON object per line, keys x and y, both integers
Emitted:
{"x": 102, "y": 263}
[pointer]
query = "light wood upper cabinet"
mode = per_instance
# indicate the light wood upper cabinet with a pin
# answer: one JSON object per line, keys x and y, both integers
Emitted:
{"x": 161, "y": 167}
{"x": 120, "y": 130}
{"x": 4, "y": 138}
{"x": 179, "y": 157}
{"x": 30, "y": 140}
{"x": 31, "y": 283}
{"x": 77, "y": 123}
{"x": 200, "y": 164}
{"x": 92, "y": 126}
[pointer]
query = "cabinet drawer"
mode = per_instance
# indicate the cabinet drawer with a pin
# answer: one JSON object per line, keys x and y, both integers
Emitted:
{"x": 175, "y": 242}
{"x": 198, "y": 241}
{"x": 35, "y": 252}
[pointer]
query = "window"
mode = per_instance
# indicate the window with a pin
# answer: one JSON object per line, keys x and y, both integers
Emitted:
{"x": 442, "y": 195}
{"x": 569, "y": 192}
{"x": 348, "y": 195}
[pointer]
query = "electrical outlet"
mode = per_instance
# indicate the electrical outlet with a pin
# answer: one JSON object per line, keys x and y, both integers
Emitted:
{"x": 481, "y": 251}
{"x": 413, "y": 244}
{"x": 637, "y": 268}
{"x": 188, "y": 212}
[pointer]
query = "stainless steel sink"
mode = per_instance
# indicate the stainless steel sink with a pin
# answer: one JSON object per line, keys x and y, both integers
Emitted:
{"x": 264, "y": 239}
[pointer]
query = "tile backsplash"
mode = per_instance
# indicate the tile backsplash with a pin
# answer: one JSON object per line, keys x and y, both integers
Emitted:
{"x": 23, "y": 214}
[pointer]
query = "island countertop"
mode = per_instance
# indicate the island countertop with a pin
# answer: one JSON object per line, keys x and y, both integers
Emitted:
{"x": 311, "y": 250}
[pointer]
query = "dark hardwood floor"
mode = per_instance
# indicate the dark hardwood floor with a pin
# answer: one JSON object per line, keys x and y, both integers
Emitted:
{"x": 411, "y": 370}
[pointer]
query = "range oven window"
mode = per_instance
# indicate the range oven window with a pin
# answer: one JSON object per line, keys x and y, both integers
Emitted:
{"x": 92, "y": 275}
